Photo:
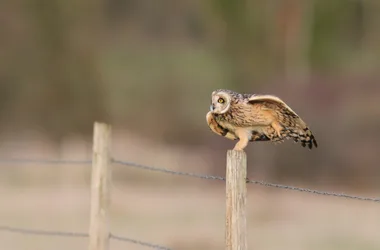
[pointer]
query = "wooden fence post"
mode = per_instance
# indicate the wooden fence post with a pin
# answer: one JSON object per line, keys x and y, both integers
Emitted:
{"x": 100, "y": 188}
{"x": 236, "y": 195}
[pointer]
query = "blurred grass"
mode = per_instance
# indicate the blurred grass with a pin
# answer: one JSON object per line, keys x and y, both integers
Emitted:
{"x": 173, "y": 79}
{"x": 150, "y": 68}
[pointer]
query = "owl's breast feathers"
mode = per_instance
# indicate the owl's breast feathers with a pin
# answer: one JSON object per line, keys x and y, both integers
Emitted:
{"x": 242, "y": 114}
{"x": 239, "y": 116}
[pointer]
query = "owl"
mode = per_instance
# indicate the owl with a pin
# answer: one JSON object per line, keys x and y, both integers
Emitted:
{"x": 249, "y": 117}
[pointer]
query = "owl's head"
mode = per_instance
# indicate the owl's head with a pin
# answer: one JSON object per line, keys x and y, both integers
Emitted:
{"x": 220, "y": 101}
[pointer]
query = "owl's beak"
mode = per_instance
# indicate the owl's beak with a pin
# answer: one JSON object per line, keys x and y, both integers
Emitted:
{"x": 212, "y": 107}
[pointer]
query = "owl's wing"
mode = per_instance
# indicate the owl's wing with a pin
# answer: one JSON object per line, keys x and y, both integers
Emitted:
{"x": 270, "y": 102}
{"x": 291, "y": 125}
{"x": 217, "y": 129}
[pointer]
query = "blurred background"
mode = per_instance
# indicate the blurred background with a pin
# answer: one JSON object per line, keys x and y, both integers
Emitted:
{"x": 148, "y": 67}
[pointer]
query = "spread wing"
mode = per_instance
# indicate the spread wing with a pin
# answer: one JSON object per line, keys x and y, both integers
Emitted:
{"x": 216, "y": 128}
{"x": 273, "y": 103}
{"x": 286, "y": 122}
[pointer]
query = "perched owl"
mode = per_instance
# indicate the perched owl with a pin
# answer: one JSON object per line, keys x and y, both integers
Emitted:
{"x": 248, "y": 117}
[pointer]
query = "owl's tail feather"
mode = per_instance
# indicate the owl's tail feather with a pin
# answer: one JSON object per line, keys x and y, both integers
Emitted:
{"x": 305, "y": 136}
{"x": 302, "y": 135}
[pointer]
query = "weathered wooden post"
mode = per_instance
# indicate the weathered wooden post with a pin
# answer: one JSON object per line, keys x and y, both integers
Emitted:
{"x": 236, "y": 195}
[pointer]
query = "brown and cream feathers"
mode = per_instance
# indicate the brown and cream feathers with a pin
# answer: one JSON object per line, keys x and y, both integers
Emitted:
{"x": 249, "y": 117}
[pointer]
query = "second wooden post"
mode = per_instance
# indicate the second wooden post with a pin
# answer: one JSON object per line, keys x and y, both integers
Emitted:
{"x": 236, "y": 196}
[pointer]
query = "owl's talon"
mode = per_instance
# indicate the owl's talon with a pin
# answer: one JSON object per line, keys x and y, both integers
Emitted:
{"x": 238, "y": 147}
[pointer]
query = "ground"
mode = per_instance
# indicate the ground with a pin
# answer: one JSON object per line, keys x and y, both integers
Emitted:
{"x": 190, "y": 218}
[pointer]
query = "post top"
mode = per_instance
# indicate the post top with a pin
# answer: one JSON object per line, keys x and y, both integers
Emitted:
{"x": 236, "y": 153}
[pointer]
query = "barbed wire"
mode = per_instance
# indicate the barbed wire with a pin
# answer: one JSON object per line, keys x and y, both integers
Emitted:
{"x": 138, "y": 242}
{"x": 41, "y": 232}
{"x": 44, "y": 161}
{"x": 194, "y": 175}
{"x": 261, "y": 183}
{"x": 167, "y": 171}
{"x": 312, "y": 191}
{"x": 76, "y": 234}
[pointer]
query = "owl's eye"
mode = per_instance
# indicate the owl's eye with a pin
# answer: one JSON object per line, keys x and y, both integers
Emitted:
{"x": 221, "y": 100}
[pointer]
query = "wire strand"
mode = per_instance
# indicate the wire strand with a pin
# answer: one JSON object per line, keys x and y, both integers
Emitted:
{"x": 138, "y": 242}
{"x": 41, "y": 232}
{"x": 312, "y": 191}
{"x": 261, "y": 183}
{"x": 167, "y": 171}
{"x": 26, "y": 231}
{"x": 201, "y": 176}
{"x": 44, "y": 161}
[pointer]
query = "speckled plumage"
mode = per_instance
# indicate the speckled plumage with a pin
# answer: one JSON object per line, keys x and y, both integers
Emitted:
{"x": 249, "y": 117}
